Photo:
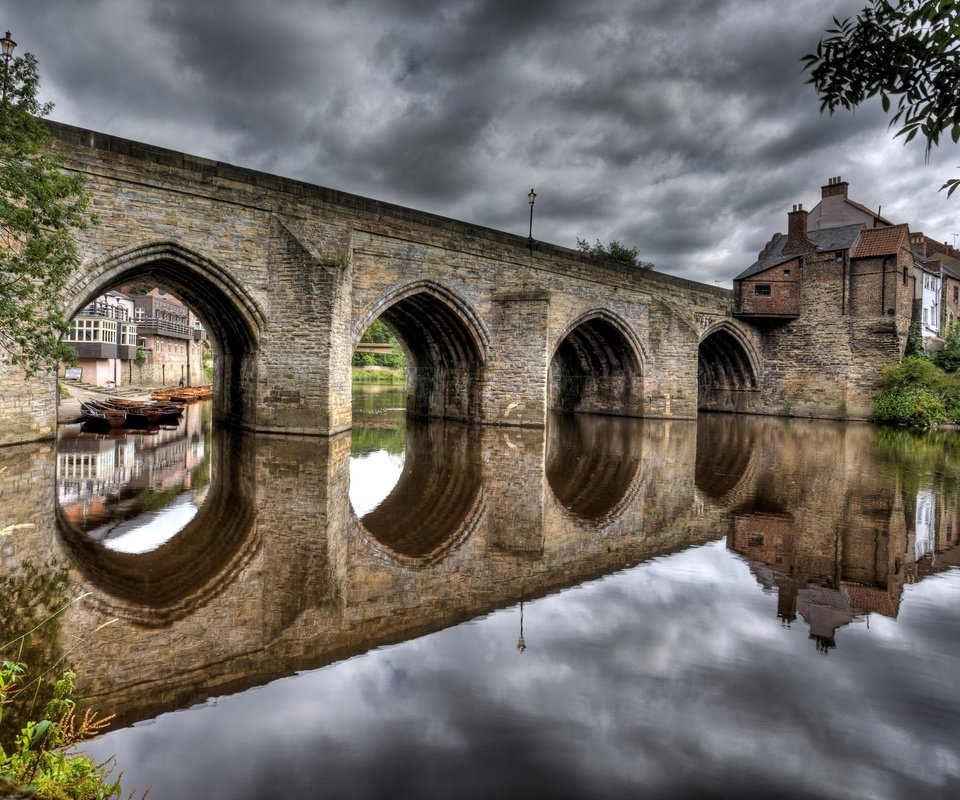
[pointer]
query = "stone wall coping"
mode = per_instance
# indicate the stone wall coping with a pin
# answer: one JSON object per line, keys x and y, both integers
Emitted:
{"x": 208, "y": 168}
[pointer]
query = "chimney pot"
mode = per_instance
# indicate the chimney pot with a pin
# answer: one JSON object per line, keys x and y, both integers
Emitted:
{"x": 835, "y": 187}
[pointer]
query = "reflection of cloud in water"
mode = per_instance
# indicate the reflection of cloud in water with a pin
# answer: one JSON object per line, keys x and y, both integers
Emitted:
{"x": 150, "y": 531}
{"x": 372, "y": 478}
{"x": 672, "y": 679}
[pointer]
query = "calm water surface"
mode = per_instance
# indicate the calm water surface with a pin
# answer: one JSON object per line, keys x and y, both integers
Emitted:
{"x": 610, "y": 608}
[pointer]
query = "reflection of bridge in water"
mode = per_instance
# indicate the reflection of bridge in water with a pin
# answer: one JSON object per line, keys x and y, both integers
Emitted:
{"x": 277, "y": 574}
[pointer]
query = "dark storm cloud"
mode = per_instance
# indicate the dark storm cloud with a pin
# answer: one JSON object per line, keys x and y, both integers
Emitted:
{"x": 684, "y": 128}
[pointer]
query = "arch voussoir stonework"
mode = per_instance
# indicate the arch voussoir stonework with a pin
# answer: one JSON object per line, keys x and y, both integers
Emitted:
{"x": 470, "y": 319}
{"x": 728, "y": 368}
{"x": 234, "y": 319}
{"x": 106, "y": 271}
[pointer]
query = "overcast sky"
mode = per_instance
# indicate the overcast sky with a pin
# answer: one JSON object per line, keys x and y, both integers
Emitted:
{"x": 681, "y": 127}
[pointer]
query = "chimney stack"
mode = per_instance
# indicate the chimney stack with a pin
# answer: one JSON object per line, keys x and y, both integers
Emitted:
{"x": 797, "y": 241}
{"x": 797, "y": 225}
{"x": 835, "y": 187}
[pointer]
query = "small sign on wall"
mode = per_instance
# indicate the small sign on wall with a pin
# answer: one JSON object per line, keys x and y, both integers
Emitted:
{"x": 72, "y": 373}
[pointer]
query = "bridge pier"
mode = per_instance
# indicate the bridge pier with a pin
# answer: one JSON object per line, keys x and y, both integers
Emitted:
{"x": 515, "y": 388}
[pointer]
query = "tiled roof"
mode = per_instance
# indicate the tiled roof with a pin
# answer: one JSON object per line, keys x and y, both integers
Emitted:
{"x": 881, "y": 241}
{"x": 825, "y": 241}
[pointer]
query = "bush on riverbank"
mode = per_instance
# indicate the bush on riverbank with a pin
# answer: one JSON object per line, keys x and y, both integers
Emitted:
{"x": 379, "y": 375}
{"x": 917, "y": 393}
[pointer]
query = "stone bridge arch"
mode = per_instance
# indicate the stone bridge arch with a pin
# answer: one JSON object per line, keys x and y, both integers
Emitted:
{"x": 596, "y": 366}
{"x": 446, "y": 346}
{"x": 232, "y": 317}
{"x": 728, "y": 368}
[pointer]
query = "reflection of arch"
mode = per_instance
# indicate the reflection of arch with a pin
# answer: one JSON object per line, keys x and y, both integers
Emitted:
{"x": 166, "y": 584}
{"x": 437, "y": 501}
{"x": 231, "y": 316}
{"x": 726, "y": 458}
{"x": 597, "y": 367}
{"x": 727, "y": 367}
{"x": 445, "y": 345}
{"x": 593, "y": 463}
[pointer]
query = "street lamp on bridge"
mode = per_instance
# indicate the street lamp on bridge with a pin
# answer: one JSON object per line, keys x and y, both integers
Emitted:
{"x": 532, "y": 197}
{"x": 8, "y": 46}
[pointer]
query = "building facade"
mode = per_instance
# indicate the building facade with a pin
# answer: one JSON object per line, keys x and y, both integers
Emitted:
{"x": 831, "y": 302}
{"x": 171, "y": 338}
{"x": 104, "y": 337}
{"x": 142, "y": 340}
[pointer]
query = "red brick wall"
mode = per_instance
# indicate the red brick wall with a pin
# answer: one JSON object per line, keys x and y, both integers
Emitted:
{"x": 784, "y": 297}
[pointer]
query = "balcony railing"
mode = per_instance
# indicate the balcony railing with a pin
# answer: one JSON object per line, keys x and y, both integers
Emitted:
{"x": 159, "y": 326}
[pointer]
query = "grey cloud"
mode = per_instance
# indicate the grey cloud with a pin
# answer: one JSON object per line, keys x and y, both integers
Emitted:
{"x": 684, "y": 128}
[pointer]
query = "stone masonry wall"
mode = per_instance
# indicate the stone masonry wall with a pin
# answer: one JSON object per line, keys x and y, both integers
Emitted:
{"x": 273, "y": 268}
{"x": 827, "y": 362}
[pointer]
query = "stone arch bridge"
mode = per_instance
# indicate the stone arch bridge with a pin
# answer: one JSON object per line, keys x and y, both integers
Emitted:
{"x": 286, "y": 276}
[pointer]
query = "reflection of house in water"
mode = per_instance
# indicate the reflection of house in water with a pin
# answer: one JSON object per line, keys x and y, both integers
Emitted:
{"x": 104, "y": 478}
{"x": 858, "y": 568}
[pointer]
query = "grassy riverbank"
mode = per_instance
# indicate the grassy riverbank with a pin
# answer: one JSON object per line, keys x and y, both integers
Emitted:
{"x": 389, "y": 375}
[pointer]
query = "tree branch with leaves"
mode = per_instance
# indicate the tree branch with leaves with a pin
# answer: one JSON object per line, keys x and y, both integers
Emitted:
{"x": 907, "y": 54}
{"x": 41, "y": 208}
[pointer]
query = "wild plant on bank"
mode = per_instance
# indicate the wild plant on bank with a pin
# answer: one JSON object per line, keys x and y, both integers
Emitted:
{"x": 917, "y": 393}
{"x": 43, "y": 759}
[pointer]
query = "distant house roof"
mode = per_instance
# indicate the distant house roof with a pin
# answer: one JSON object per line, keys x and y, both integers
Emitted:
{"x": 881, "y": 241}
{"x": 838, "y": 210}
{"x": 951, "y": 272}
{"x": 825, "y": 241}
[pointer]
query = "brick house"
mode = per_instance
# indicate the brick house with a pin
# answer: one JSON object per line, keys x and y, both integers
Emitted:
{"x": 873, "y": 269}
{"x": 945, "y": 260}
{"x": 831, "y": 304}
{"x": 107, "y": 333}
{"x": 104, "y": 337}
{"x": 836, "y": 209}
{"x": 171, "y": 336}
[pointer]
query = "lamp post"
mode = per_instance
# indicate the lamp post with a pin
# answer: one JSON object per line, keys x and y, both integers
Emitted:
{"x": 532, "y": 198}
{"x": 8, "y": 46}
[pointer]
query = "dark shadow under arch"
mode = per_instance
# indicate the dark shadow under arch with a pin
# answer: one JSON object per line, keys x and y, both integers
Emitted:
{"x": 726, "y": 450}
{"x": 596, "y": 368}
{"x": 445, "y": 349}
{"x": 726, "y": 372}
{"x": 593, "y": 463}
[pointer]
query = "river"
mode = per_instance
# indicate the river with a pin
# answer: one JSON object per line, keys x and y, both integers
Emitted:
{"x": 731, "y": 607}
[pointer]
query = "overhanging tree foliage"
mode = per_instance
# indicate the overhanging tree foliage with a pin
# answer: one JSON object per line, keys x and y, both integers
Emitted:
{"x": 41, "y": 207}
{"x": 615, "y": 251}
{"x": 906, "y": 52}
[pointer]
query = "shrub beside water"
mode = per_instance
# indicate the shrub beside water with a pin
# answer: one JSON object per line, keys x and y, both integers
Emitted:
{"x": 917, "y": 393}
{"x": 910, "y": 405}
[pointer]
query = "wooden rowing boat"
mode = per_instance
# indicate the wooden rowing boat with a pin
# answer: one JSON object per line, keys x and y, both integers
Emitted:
{"x": 184, "y": 394}
{"x": 102, "y": 416}
{"x": 149, "y": 413}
